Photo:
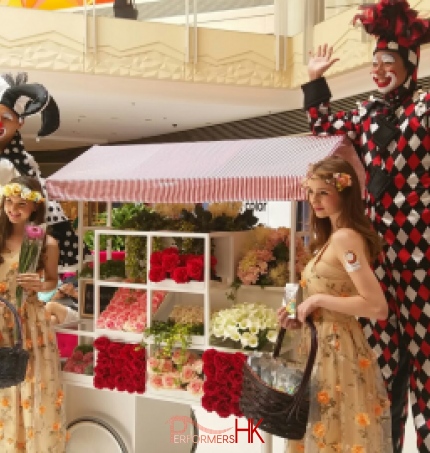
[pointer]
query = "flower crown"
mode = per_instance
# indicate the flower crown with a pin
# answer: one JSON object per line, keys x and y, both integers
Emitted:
{"x": 15, "y": 189}
{"x": 338, "y": 180}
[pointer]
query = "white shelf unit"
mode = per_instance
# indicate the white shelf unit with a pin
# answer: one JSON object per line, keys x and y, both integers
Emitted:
{"x": 212, "y": 294}
{"x": 228, "y": 249}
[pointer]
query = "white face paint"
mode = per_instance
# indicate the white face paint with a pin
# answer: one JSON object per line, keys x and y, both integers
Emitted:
{"x": 7, "y": 116}
{"x": 384, "y": 72}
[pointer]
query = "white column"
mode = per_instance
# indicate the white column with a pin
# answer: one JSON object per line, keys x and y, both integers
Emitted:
{"x": 314, "y": 13}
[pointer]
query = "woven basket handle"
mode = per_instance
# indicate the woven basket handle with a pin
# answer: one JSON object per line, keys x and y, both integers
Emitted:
{"x": 17, "y": 321}
{"x": 301, "y": 391}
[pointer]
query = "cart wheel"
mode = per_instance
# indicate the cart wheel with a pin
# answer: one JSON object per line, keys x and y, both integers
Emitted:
{"x": 95, "y": 435}
{"x": 195, "y": 431}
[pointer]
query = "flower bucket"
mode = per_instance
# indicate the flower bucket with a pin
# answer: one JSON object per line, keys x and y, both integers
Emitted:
{"x": 66, "y": 344}
{"x": 117, "y": 255}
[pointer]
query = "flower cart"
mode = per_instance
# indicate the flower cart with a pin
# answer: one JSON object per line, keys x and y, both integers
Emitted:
{"x": 257, "y": 170}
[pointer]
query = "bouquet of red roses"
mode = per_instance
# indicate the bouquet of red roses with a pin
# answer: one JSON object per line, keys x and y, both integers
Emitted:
{"x": 120, "y": 366}
{"x": 223, "y": 385}
{"x": 182, "y": 268}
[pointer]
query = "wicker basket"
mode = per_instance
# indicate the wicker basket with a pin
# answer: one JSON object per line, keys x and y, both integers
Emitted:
{"x": 282, "y": 414}
{"x": 13, "y": 360}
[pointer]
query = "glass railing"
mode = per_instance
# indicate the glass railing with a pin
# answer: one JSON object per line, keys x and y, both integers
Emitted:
{"x": 284, "y": 17}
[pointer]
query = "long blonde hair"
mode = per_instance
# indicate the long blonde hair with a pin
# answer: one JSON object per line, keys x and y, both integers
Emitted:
{"x": 352, "y": 208}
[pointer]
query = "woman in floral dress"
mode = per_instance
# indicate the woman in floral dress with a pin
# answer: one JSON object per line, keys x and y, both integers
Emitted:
{"x": 349, "y": 410}
{"x": 32, "y": 417}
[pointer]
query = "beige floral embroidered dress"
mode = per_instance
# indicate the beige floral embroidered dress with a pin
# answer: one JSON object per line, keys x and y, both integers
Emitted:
{"x": 32, "y": 416}
{"x": 349, "y": 411}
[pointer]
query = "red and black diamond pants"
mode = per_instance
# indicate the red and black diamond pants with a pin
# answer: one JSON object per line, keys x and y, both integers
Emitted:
{"x": 402, "y": 344}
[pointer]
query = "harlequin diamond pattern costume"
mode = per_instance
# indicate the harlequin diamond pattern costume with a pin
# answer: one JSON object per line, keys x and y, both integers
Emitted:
{"x": 25, "y": 99}
{"x": 392, "y": 138}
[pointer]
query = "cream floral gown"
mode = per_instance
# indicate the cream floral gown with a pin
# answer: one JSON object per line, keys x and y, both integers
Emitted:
{"x": 349, "y": 411}
{"x": 32, "y": 416}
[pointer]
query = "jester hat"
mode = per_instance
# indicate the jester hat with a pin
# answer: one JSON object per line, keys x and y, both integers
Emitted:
{"x": 397, "y": 28}
{"x": 28, "y": 99}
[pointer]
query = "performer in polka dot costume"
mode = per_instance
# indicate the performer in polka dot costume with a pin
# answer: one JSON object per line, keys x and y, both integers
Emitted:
{"x": 19, "y": 99}
{"x": 391, "y": 135}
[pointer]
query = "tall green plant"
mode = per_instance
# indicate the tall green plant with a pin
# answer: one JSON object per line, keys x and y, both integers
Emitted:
{"x": 121, "y": 217}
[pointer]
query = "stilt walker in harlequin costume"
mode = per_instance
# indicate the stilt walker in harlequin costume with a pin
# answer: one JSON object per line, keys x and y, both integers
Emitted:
{"x": 18, "y": 99}
{"x": 391, "y": 135}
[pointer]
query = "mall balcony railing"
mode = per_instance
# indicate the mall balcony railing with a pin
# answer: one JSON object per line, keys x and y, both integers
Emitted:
{"x": 246, "y": 42}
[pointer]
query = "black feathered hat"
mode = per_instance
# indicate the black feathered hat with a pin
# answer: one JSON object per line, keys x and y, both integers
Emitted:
{"x": 28, "y": 99}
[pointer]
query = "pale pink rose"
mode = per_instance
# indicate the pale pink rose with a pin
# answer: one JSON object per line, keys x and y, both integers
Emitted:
{"x": 198, "y": 366}
{"x": 109, "y": 324}
{"x": 156, "y": 381}
{"x": 153, "y": 364}
{"x": 187, "y": 373}
{"x": 101, "y": 323}
{"x": 195, "y": 386}
{"x": 166, "y": 365}
{"x": 128, "y": 326}
{"x": 139, "y": 326}
{"x": 180, "y": 357}
{"x": 170, "y": 381}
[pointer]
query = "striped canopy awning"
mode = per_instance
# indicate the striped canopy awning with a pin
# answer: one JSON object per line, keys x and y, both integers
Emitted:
{"x": 257, "y": 170}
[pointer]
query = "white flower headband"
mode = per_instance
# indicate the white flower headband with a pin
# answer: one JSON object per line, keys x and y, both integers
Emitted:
{"x": 17, "y": 190}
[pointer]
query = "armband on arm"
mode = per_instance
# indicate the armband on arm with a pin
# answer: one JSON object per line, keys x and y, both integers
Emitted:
{"x": 351, "y": 262}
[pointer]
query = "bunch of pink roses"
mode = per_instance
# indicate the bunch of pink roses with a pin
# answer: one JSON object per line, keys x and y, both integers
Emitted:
{"x": 183, "y": 370}
{"x": 181, "y": 268}
{"x": 80, "y": 362}
{"x": 127, "y": 310}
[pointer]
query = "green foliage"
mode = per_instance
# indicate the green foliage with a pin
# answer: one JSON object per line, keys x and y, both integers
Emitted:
{"x": 141, "y": 218}
{"x": 120, "y": 219}
{"x": 84, "y": 348}
{"x": 148, "y": 220}
{"x": 281, "y": 252}
{"x": 168, "y": 334}
{"x": 204, "y": 222}
{"x": 234, "y": 287}
{"x": 110, "y": 268}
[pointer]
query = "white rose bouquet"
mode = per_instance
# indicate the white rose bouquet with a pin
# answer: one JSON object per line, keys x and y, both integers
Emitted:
{"x": 248, "y": 326}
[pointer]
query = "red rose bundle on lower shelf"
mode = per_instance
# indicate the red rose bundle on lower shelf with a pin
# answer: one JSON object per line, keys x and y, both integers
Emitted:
{"x": 120, "y": 366}
{"x": 223, "y": 385}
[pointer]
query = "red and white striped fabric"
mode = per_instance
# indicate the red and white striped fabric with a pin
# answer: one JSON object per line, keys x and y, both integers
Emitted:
{"x": 257, "y": 170}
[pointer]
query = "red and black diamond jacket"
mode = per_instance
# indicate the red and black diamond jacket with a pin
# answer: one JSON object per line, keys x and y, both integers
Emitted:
{"x": 392, "y": 139}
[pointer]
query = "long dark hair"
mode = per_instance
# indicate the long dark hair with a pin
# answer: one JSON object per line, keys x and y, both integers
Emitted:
{"x": 352, "y": 209}
{"x": 37, "y": 217}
